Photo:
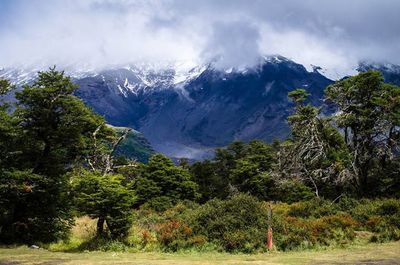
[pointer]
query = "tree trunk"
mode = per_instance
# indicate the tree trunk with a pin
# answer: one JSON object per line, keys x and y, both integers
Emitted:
{"x": 100, "y": 227}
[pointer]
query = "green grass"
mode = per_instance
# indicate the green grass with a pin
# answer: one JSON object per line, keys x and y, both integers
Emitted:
{"x": 387, "y": 253}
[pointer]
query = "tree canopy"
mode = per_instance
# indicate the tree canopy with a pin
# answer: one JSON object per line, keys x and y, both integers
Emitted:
{"x": 44, "y": 137}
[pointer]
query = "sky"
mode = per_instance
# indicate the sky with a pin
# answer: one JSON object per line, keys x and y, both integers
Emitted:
{"x": 334, "y": 34}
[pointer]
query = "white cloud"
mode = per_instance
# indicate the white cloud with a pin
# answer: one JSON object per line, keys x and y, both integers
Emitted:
{"x": 234, "y": 43}
{"x": 333, "y": 34}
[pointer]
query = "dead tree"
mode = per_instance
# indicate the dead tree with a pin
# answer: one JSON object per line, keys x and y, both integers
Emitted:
{"x": 102, "y": 155}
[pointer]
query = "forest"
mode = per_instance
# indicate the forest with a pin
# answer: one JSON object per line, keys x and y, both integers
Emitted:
{"x": 335, "y": 181}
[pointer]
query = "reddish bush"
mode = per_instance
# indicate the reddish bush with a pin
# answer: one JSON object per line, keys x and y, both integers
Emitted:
{"x": 174, "y": 235}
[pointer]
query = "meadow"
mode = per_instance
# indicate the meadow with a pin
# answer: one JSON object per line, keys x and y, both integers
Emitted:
{"x": 385, "y": 253}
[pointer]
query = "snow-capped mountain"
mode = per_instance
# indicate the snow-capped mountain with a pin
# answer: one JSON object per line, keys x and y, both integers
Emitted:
{"x": 24, "y": 74}
{"x": 18, "y": 76}
{"x": 186, "y": 109}
{"x": 189, "y": 111}
{"x": 391, "y": 72}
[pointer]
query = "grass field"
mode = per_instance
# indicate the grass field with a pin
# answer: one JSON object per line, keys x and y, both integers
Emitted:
{"x": 386, "y": 254}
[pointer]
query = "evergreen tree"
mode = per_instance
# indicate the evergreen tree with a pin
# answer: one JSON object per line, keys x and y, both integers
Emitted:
{"x": 252, "y": 172}
{"x": 239, "y": 167}
{"x": 161, "y": 184}
{"x": 48, "y": 133}
{"x": 33, "y": 207}
{"x": 57, "y": 125}
{"x": 210, "y": 184}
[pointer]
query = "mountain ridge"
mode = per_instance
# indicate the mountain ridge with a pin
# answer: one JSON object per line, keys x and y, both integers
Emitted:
{"x": 186, "y": 109}
{"x": 211, "y": 108}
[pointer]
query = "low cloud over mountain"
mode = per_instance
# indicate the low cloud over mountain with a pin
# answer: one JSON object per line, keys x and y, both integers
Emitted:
{"x": 98, "y": 33}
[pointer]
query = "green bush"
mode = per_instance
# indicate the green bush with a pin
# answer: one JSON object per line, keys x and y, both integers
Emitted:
{"x": 158, "y": 203}
{"x": 364, "y": 209}
{"x": 320, "y": 222}
{"x": 293, "y": 233}
{"x": 389, "y": 207}
{"x": 291, "y": 191}
{"x": 237, "y": 224}
{"x": 313, "y": 208}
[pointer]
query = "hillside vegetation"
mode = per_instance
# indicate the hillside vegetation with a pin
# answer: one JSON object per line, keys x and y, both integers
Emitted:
{"x": 134, "y": 146}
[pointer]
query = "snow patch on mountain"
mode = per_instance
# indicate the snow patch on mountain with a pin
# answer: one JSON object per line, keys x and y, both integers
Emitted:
{"x": 386, "y": 67}
{"x": 142, "y": 77}
{"x": 25, "y": 75}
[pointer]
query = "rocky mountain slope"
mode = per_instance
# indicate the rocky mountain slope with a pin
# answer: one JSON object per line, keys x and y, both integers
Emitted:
{"x": 190, "y": 115}
{"x": 186, "y": 110}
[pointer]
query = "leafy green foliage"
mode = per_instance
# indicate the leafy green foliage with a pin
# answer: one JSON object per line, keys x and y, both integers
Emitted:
{"x": 160, "y": 184}
{"x": 104, "y": 197}
{"x": 5, "y": 87}
{"x": 238, "y": 223}
{"x": 298, "y": 95}
{"x": 369, "y": 115}
{"x": 8, "y": 128}
{"x": 239, "y": 167}
{"x": 211, "y": 185}
{"x": 33, "y": 208}
{"x": 48, "y": 133}
{"x": 292, "y": 190}
{"x": 251, "y": 172}
{"x": 56, "y": 125}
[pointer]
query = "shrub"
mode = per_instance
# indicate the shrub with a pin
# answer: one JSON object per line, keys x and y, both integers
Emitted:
{"x": 313, "y": 208}
{"x": 237, "y": 224}
{"x": 362, "y": 210}
{"x": 298, "y": 233}
{"x": 291, "y": 191}
{"x": 389, "y": 207}
{"x": 174, "y": 235}
{"x": 159, "y": 204}
{"x": 169, "y": 230}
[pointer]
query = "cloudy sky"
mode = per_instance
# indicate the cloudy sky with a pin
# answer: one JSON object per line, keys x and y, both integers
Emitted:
{"x": 335, "y": 34}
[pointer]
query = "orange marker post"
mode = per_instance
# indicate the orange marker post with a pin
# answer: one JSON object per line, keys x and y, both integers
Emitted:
{"x": 269, "y": 233}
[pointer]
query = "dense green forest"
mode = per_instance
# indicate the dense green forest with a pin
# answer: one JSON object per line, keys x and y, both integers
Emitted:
{"x": 335, "y": 178}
